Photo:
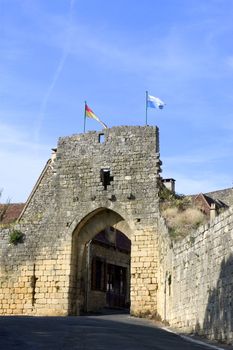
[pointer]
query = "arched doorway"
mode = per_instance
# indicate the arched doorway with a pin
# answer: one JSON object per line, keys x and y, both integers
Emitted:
{"x": 107, "y": 271}
{"x": 100, "y": 263}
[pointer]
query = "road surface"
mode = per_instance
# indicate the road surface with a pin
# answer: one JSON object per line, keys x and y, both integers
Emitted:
{"x": 101, "y": 332}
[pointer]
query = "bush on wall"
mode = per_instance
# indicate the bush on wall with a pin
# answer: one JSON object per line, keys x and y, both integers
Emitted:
{"x": 15, "y": 237}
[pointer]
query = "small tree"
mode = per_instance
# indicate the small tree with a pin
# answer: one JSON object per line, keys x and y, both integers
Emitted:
{"x": 3, "y": 207}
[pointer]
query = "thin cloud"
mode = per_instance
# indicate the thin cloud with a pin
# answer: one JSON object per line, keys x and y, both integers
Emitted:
{"x": 201, "y": 182}
{"x": 14, "y": 138}
{"x": 187, "y": 62}
{"x": 57, "y": 73}
{"x": 22, "y": 163}
{"x": 200, "y": 157}
{"x": 19, "y": 173}
{"x": 172, "y": 53}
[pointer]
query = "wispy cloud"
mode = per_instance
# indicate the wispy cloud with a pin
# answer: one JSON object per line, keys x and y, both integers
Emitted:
{"x": 19, "y": 173}
{"x": 21, "y": 160}
{"x": 65, "y": 53}
{"x": 173, "y": 53}
{"x": 13, "y": 137}
{"x": 199, "y": 157}
{"x": 201, "y": 183}
{"x": 200, "y": 170}
{"x": 188, "y": 57}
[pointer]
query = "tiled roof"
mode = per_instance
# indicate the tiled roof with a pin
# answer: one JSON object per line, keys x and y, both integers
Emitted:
{"x": 9, "y": 213}
{"x": 225, "y": 196}
{"x": 209, "y": 200}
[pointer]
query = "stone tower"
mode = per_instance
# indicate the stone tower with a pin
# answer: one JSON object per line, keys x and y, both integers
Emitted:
{"x": 93, "y": 181}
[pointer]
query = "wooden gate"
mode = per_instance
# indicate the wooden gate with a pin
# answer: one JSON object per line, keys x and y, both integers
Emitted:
{"x": 116, "y": 286}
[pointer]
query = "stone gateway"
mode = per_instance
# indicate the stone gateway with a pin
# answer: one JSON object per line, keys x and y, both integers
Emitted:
{"x": 92, "y": 182}
{"x": 92, "y": 236}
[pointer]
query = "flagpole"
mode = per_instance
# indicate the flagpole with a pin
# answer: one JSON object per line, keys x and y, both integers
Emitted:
{"x": 146, "y": 105}
{"x": 84, "y": 129}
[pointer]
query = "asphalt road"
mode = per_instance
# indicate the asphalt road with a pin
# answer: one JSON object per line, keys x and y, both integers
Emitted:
{"x": 105, "y": 332}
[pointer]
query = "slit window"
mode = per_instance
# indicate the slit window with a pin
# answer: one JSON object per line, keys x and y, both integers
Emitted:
{"x": 101, "y": 138}
{"x": 169, "y": 284}
{"x": 105, "y": 177}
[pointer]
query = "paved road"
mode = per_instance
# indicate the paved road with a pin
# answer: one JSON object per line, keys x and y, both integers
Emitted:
{"x": 103, "y": 332}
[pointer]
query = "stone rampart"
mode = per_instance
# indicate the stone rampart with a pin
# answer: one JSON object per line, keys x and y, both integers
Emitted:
{"x": 196, "y": 279}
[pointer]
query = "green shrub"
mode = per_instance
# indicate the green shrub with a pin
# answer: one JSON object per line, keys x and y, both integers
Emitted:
{"x": 16, "y": 237}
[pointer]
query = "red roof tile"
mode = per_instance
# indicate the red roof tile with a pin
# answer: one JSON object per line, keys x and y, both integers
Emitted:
{"x": 9, "y": 213}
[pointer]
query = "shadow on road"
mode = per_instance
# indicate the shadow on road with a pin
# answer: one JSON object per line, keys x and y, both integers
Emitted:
{"x": 115, "y": 331}
{"x": 107, "y": 311}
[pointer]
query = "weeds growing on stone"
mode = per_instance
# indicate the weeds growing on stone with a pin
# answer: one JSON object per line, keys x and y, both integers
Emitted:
{"x": 179, "y": 213}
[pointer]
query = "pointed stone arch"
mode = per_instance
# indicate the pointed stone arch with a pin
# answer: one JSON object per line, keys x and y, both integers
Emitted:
{"x": 83, "y": 233}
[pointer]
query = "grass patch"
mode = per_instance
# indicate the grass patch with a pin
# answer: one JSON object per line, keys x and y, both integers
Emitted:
{"x": 181, "y": 217}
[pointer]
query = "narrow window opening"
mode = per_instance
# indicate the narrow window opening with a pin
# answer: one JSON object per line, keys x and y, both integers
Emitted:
{"x": 101, "y": 138}
{"x": 105, "y": 177}
{"x": 169, "y": 284}
{"x": 98, "y": 280}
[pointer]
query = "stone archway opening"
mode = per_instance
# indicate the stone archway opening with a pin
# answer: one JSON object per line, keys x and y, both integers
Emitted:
{"x": 100, "y": 263}
{"x": 107, "y": 272}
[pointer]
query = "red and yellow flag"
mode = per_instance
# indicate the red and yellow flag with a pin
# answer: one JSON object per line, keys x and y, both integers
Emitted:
{"x": 90, "y": 114}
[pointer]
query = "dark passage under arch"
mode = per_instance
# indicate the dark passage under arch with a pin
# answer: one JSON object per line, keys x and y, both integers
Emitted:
{"x": 100, "y": 264}
{"x": 109, "y": 270}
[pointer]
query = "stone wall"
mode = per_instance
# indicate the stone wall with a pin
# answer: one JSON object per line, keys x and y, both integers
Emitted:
{"x": 196, "y": 279}
{"x": 69, "y": 205}
{"x": 188, "y": 283}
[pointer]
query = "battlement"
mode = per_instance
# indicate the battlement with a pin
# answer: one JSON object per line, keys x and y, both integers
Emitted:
{"x": 123, "y": 139}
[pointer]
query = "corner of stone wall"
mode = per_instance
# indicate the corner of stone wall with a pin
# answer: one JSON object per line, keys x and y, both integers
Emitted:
{"x": 200, "y": 290}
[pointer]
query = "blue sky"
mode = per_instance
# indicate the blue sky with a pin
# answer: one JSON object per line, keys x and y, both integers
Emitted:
{"x": 54, "y": 55}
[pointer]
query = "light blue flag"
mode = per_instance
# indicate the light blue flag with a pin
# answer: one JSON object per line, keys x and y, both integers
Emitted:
{"x": 155, "y": 102}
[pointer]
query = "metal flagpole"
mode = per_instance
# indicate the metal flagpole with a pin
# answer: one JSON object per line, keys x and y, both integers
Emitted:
{"x": 146, "y": 105}
{"x": 84, "y": 129}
